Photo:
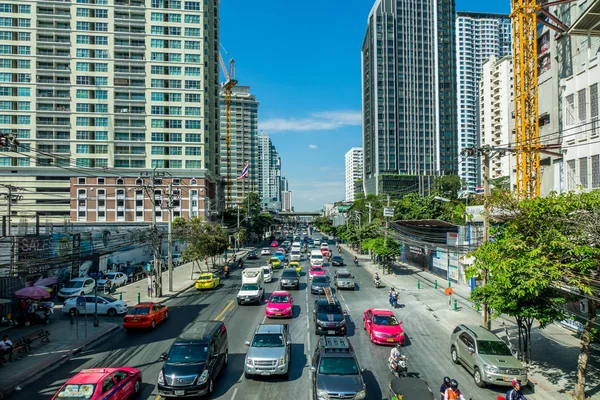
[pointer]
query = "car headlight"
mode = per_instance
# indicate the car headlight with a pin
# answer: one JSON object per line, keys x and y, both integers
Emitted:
{"x": 401, "y": 334}
{"x": 203, "y": 378}
{"x": 361, "y": 395}
{"x": 161, "y": 378}
{"x": 322, "y": 394}
{"x": 342, "y": 322}
{"x": 522, "y": 372}
{"x": 320, "y": 323}
{"x": 282, "y": 361}
{"x": 288, "y": 309}
{"x": 492, "y": 369}
{"x": 249, "y": 361}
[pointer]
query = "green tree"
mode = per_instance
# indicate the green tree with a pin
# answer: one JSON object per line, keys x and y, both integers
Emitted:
{"x": 255, "y": 205}
{"x": 413, "y": 206}
{"x": 447, "y": 186}
{"x": 203, "y": 240}
{"x": 260, "y": 224}
{"x": 241, "y": 236}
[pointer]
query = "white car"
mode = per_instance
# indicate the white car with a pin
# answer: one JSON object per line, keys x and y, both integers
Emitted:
{"x": 325, "y": 246}
{"x": 265, "y": 252}
{"x": 117, "y": 278}
{"x": 295, "y": 255}
{"x": 106, "y": 305}
{"x": 77, "y": 287}
{"x": 268, "y": 273}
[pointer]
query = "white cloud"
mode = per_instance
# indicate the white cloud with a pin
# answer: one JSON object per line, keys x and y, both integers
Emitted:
{"x": 312, "y": 146}
{"x": 318, "y": 121}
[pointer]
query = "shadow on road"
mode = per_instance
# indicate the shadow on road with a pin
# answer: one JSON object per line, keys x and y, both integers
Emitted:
{"x": 231, "y": 374}
{"x": 373, "y": 388}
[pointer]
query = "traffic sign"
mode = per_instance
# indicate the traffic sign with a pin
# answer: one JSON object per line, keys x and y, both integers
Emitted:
{"x": 80, "y": 303}
{"x": 388, "y": 211}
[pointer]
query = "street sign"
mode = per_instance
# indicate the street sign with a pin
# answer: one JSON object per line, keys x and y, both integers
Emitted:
{"x": 148, "y": 265}
{"x": 388, "y": 211}
{"x": 80, "y": 303}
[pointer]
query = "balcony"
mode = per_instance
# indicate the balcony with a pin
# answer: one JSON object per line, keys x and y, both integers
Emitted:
{"x": 53, "y": 79}
{"x": 130, "y": 29}
{"x": 129, "y": 3}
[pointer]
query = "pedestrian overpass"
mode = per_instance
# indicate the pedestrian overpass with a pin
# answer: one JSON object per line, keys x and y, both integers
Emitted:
{"x": 304, "y": 216}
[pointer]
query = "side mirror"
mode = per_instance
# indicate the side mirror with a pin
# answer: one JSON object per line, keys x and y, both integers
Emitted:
{"x": 289, "y": 342}
{"x": 400, "y": 322}
{"x": 471, "y": 350}
{"x": 247, "y": 343}
{"x": 345, "y": 312}
{"x": 314, "y": 311}
{"x": 163, "y": 356}
{"x": 313, "y": 369}
{"x": 363, "y": 370}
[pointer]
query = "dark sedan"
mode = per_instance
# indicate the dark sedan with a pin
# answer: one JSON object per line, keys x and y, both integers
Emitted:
{"x": 337, "y": 261}
{"x": 252, "y": 255}
{"x": 318, "y": 284}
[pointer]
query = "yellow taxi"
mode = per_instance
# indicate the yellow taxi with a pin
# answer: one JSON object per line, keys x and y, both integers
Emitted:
{"x": 296, "y": 264}
{"x": 275, "y": 262}
{"x": 207, "y": 280}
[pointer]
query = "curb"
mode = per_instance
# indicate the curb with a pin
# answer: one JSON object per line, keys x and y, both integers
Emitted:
{"x": 43, "y": 370}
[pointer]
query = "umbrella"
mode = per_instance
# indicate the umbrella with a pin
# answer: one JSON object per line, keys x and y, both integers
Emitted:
{"x": 33, "y": 292}
{"x": 50, "y": 281}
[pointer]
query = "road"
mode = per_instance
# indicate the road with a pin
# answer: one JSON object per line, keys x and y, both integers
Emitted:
{"x": 427, "y": 345}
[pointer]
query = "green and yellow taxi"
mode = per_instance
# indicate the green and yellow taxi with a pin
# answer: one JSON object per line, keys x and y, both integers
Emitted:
{"x": 207, "y": 280}
{"x": 275, "y": 262}
{"x": 296, "y": 264}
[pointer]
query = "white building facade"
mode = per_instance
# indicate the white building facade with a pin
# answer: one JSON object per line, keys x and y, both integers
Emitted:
{"x": 496, "y": 122}
{"x": 269, "y": 177}
{"x": 286, "y": 201}
{"x": 354, "y": 170}
{"x": 479, "y": 36}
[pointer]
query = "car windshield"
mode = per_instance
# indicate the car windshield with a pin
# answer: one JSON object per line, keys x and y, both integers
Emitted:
{"x": 316, "y": 257}
{"x": 385, "y": 320}
{"x": 266, "y": 249}
{"x": 73, "y": 284}
{"x": 295, "y": 252}
{"x": 275, "y": 260}
{"x": 319, "y": 269}
{"x": 329, "y": 309}
{"x": 493, "y": 348}
{"x": 76, "y": 392}
{"x": 338, "y": 366}
{"x": 336, "y": 258}
{"x": 267, "y": 270}
{"x": 139, "y": 311}
{"x": 267, "y": 340}
{"x": 279, "y": 299}
{"x": 188, "y": 354}
{"x": 110, "y": 276}
{"x": 319, "y": 279}
{"x": 289, "y": 274}
{"x": 205, "y": 277}
{"x": 279, "y": 253}
{"x": 344, "y": 276}
{"x": 249, "y": 286}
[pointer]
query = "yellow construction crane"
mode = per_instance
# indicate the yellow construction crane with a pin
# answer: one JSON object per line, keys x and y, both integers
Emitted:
{"x": 229, "y": 83}
{"x": 525, "y": 15}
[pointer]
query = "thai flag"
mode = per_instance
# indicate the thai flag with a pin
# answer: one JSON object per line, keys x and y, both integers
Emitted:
{"x": 245, "y": 172}
{"x": 479, "y": 190}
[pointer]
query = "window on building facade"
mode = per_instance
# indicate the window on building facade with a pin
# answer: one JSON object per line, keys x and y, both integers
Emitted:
{"x": 583, "y": 172}
{"x": 581, "y": 106}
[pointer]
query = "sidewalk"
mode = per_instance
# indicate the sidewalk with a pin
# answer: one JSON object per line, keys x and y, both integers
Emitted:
{"x": 67, "y": 339}
{"x": 555, "y": 349}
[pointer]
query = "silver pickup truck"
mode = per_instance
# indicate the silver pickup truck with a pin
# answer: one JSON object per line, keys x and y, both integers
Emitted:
{"x": 270, "y": 351}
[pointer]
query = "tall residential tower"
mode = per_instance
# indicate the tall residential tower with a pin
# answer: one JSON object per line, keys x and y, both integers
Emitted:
{"x": 269, "y": 178}
{"x": 107, "y": 88}
{"x": 479, "y": 36}
{"x": 409, "y": 92}
{"x": 244, "y": 144}
{"x": 354, "y": 170}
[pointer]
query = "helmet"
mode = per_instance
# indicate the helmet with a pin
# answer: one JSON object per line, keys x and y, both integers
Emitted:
{"x": 447, "y": 380}
{"x": 516, "y": 382}
{"x": 398, "y": 346}
{"x": 453, "y": 384}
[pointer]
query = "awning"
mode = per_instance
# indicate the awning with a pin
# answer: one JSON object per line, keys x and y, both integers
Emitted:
{"x": 588, "y": 23}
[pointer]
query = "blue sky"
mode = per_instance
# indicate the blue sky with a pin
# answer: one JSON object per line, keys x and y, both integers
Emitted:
{"x": 302, "y": 61}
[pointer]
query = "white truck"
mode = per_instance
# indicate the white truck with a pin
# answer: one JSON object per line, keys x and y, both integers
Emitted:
{"x": 252, "y": 290}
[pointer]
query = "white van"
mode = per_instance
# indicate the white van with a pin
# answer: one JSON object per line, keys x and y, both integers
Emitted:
{"x": 317, "y": 242}
{"x": 252, "y": 290}
{"x": 268, "y": 273}
{"x": 316, "y": 258}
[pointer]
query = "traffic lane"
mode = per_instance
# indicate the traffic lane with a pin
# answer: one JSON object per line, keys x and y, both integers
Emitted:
{"x": 242, "y": 323}
{"x": 140, "y": 349}
{"x": 427, "y": 340}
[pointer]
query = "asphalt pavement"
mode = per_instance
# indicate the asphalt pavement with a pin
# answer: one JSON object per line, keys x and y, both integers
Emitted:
{"x": 427, "y": 344}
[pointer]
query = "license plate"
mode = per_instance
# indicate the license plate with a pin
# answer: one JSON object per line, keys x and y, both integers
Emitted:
{"x": 134, "y": 320}
{"x": 331, "y": 332}
{"x": 180, "y": 393}
{"x": 278, "y": 314}
{"x": 509, "y": 379}
{"x": 265, "y": 373}
{"x": 390, "y": 340}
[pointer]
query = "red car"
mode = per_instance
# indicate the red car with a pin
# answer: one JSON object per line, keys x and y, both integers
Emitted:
{"x": 316, "y": 270}
{"x": 279, "y": 305}
{"x": 324, "y": 252}
{"x": 383, "y": 327}
{"x": 274, "y": 244}
{"x": 102, "y": 383}
{"x": 145, "y": 315}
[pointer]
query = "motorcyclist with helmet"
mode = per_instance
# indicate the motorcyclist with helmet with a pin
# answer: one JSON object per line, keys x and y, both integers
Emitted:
{"x": 444, "y": 386}
{"x": 452, "y": 393}
{"x": 396, "y": 356}
{"x": 515, "y": 392}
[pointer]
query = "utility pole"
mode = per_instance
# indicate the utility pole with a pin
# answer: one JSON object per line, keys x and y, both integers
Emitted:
{"x": 149, "y": 181}
{"x": 173, "y": 201}
{"x": 10, "y": 198}
{"x": 487, "y": 322}
{"x": 369, "y": 206}
{"x": 237, "y": 239}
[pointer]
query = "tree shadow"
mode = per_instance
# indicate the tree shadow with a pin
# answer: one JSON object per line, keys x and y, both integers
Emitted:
{"x": 230, "y": 374}
{"x": 350, "y": 326}
{"x": 373, "y": 388}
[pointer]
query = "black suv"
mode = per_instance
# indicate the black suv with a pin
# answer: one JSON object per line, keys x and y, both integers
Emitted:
{"x": 289, "y": 278}
{"x": 335, "y": 370}
{"x": 329, "y": 317}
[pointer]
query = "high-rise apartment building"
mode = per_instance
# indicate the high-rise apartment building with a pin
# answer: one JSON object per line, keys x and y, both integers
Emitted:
{"x": 409, "y": 91}
{"x": 286, "y": 200}
{"x": 496, "y": 121}
{"x": 269, "y": 178}
{"x": 244, "y": 144}
{"x": 354, "y": 170}
{"x": 107, "y": 88}
{"x": 479, "y": 36}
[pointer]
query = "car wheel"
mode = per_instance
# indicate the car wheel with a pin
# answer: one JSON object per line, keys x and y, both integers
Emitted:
{"x": 153, "y": 325}
{"x": 111, "y": 312}
{"x": 454, "y": 355}
{"x": 372, "y": 338}
{"x": 137, "y": 387}
{"x": 247, "y": 375}
{"x": 477, "y": 378}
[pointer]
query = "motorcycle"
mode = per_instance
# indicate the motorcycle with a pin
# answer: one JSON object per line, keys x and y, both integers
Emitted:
{"x": 398, "y": 367}
{"x": 226, "y": 273}
{"x": 377, "y": 283}
{"x": 356, "y": 262}
{"x": 394, "y": 300}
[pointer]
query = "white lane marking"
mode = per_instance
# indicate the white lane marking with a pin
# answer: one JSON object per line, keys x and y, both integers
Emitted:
{"x": 307, "y": 321}
{"x": 234, "y": 393}
{"x": 342, "y": 296}
{"x": 308, "y": 341}
{"x": 264, "y": 319}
